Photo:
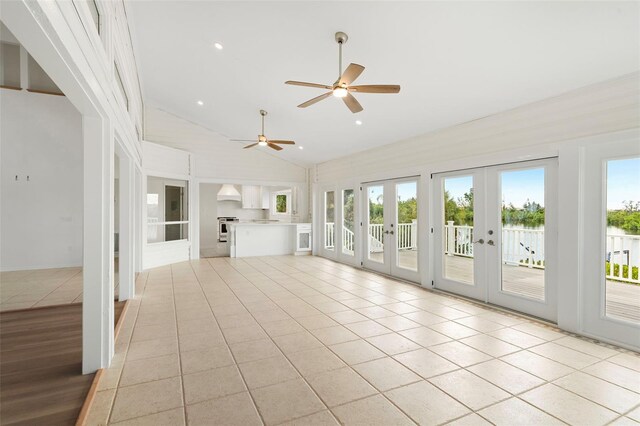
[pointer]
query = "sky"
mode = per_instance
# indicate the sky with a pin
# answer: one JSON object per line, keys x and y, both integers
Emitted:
{"x": 518, "y": 186}
{"x": 623, "y": 182}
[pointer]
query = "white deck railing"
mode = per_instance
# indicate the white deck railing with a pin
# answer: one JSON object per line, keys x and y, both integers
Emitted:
{"x": 407, "y": 234}
{"x": 525, "y": 247}
{"x": 329, "y": 235}
{"x": 347, "y": 240}
{"x": 520, "y": 246}
{"x": 623, "y": 252}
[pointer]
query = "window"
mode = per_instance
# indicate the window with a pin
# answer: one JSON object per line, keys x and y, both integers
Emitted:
{"x": 121, "y": 89}
{"x": 167, "y": 210}
{"x": 282, "y": 202}
{"x": 10, "y": 68}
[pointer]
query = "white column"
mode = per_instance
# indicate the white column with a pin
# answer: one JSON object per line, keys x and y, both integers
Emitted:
{"x": 140, "y": 201}
{"x": 125, "y": 267}
{"x": 97, "y": 297}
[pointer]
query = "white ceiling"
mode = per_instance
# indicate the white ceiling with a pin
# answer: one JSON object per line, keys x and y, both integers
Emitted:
{"x": 455, "y": 61}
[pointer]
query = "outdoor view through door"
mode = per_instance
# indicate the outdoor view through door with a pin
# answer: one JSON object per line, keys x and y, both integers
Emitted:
{"x": 522, "y": 220}
{"x": 375, "y": 239}
{"x": 348, "y": 218}
{"x": 407, "y": 220}
{"x": 391, "y": 225}
{"x": 329, "y": 220}
{"x": 458, "y": 229}
{"x": 622, "y": 236}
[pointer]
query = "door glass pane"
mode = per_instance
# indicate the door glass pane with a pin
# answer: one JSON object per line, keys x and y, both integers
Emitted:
{"x": 375, "y": 239}
{"x": 329, "y": 220}
{"x": 622, "y": 252}
{"x": 458, "y": 229}
{"x": 523, "y": 219}
{"x": 348, "y": 199}
{"x": 407, "y": 228}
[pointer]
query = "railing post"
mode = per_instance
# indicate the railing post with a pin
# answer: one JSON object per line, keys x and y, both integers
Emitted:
{"x": 451, "y": 238}
{"x": 414, "y": 233}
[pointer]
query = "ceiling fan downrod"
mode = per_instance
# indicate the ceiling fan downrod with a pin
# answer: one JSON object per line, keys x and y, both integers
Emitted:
{"x": 341, "y": 38}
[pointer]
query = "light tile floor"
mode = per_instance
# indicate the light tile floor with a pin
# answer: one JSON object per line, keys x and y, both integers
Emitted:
{"x": 303, "y": 340}
{"x": 42, "y": 287}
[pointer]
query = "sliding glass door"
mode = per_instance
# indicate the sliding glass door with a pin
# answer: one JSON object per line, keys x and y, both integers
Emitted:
{"x": 390, "y": 227}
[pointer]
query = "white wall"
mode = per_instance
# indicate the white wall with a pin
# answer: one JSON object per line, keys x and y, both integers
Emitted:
{"x": 41, "y": 219}
{"x": 215, "y": 155}
{"x": 601, "y": 108}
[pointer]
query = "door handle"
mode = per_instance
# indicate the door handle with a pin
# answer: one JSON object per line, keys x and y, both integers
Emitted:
{"x": 388, "y": 232}
{"x": 480, "y": 241}
{"x": 391, "y": 232}
{"x": 490, "y": 242}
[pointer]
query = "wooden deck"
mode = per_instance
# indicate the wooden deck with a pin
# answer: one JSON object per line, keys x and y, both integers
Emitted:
{"x": 623, "y": 300}
{"x": 41, "y": 365}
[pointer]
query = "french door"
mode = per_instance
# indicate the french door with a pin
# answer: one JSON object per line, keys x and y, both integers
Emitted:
{"x": 611, "y": 241}
{"x": 496, "y": 235}
{"x": 390, "y": 227}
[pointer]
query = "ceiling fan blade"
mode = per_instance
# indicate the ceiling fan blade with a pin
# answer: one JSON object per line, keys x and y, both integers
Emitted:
{"x": 314, "y": 100}
{"x": 272, "y": 146}
{"x": 352, "y": 72}
{"x": 282, "y": 142}
{"x": 250, "y": 146}
{"x": 242, "y": 140}
{"x": 352, "y": 103}
{"x": 376, "y": 88}
{"x": 303, "y": 83}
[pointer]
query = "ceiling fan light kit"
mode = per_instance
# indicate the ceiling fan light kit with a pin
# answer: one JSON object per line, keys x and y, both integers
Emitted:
{"x": 342, "y": 88}
{"x": 263, "y": 140}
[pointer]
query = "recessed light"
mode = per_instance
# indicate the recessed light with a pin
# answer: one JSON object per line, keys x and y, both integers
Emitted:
{"x": 301, "y": 147}
{"x": 218, "y": 46}
{"x": 200, "y": 103}
{"x": 358, "y": 122}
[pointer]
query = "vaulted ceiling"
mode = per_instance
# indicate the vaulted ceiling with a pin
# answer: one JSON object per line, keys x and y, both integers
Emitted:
{"x": 455, "y": 61}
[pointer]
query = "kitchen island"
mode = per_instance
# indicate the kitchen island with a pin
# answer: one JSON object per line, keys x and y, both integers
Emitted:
{"x": 269, "y": 239}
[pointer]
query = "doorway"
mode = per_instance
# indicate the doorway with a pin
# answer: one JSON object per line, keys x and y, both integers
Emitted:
{"x": 496, "y": 235}
{"x": 390, "y": 225}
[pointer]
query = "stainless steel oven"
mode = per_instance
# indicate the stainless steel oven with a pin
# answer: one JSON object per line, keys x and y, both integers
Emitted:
{"x": 223, "y": 230}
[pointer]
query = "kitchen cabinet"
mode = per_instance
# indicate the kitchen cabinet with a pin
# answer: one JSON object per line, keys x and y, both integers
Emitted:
{"x": 303, "y": 241}
{"x": 255, "y": 197}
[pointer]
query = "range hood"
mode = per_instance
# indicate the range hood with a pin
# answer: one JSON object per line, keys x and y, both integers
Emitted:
{"x": 228, "y": 192}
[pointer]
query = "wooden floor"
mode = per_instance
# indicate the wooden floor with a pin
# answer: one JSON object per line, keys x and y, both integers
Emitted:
{"x": 41, "y": 365}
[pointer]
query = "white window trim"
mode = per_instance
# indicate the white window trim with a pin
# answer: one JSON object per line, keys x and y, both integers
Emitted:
{"x": 288, "y": 194}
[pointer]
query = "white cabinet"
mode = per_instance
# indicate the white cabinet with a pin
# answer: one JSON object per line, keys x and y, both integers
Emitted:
{"x": 303, "y": 238}
{"x": 255, "y": 197}
{"x": 266, "y": 195}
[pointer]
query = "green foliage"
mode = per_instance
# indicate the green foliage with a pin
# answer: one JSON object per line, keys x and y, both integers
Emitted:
{"x": 281, "y": 203}
{"x": 348, "y": 203}
{"x": 407, "y": 211}
{"x": 330, "y": 206}
{"x": 459, "y": 211}
{"x": 627, "y": 218}
{"x": 531, "y": 214}
{"x": 625, "y": 270}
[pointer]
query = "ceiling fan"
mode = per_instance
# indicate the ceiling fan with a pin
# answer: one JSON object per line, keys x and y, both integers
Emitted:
{"x": 342, "y": 88}
{"x": 262, "y": 139}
